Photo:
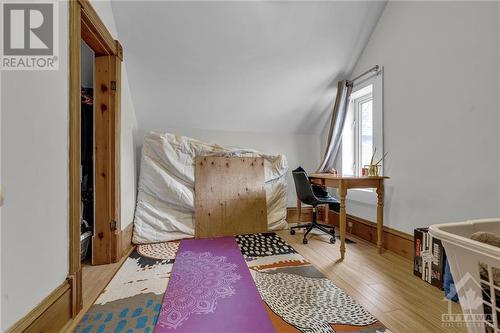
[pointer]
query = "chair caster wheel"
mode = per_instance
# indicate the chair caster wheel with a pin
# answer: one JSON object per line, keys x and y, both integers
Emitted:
{"x": 292, "y": 232}
{"x": 332, "y": 240}
{"x": 304, "y": 241}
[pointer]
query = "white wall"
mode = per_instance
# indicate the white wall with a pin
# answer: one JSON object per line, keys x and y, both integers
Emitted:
{"x": 34, "y": 165}
{"x": 298, "y": 149}
{"x": 129, "y": 168}
{"x": 255, "y": 66}
{"x": 1, "y": 201}
{"x": 441, "y": 63}
{"x": 498, "y": 93}
{"x": 128, "y": 124}
{"x": 87, "y": 61}
{"x": 34, "y": 239}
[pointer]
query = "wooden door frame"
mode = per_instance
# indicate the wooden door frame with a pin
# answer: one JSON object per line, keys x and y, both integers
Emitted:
{"x": 85, "y": 24}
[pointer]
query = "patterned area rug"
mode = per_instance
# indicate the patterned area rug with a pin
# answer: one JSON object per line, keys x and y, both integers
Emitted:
{"x": 298, "y": 297}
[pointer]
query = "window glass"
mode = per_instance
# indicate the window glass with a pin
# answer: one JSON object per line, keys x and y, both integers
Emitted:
{"x": 366, "y": 131}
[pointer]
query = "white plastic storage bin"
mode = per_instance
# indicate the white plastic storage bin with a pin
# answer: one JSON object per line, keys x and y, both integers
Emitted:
{"x": 474, "y": 266}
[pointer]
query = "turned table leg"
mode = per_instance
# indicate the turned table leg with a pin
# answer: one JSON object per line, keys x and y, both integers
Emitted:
{"x": 342, "y": 220}
{"x": 380, "y": 215}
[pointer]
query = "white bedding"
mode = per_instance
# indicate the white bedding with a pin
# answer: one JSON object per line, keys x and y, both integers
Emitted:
{"x": 165, "y": 200}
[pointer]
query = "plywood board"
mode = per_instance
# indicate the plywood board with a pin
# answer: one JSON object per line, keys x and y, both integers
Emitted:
{"x": 230, "y": 198}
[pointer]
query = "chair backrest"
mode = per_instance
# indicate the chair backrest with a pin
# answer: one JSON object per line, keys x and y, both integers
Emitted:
{"x": 303, "y": 188}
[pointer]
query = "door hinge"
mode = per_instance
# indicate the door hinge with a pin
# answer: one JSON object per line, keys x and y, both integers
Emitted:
{"x": 113, "y": 85}
{"x": 112, "y": 225}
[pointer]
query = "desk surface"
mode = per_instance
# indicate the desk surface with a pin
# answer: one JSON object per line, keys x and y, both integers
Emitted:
{"x": 332, "y": 176}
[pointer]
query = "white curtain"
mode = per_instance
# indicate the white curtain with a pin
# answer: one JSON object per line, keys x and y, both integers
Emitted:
{"x": 339, "y": 112}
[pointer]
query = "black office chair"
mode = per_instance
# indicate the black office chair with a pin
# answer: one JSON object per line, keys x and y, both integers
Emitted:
{"x": 313, "y": 195}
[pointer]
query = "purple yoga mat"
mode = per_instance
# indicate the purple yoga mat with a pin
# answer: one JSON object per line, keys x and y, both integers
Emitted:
{"x": 211, "y": 290}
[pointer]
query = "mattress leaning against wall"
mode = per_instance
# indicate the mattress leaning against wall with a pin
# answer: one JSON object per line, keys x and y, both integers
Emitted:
{"x": 165, "y": 200}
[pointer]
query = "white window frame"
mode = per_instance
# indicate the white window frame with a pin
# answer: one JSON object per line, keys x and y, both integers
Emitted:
{"x": 368, "y": 196}
{"x": 357, "y": 133}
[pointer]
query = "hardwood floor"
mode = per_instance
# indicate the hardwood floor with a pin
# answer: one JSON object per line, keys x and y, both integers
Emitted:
{"x": 384, "y": 284}
{"x": 94, "y": 280}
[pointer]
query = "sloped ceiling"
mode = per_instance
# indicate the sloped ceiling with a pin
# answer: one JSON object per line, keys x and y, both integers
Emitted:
{"x": 240, "y": 66}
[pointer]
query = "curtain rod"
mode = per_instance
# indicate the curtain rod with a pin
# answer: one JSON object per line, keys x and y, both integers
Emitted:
{"x": 373, "y": 69}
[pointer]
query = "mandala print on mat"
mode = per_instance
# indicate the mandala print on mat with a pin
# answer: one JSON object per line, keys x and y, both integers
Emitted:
{"x": 262, "y": 245}
{"x": 310, "y": 304}
{"x": 197, "y": 282}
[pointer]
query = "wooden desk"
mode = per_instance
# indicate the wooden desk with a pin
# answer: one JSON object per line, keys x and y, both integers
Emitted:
{"x": 344, "y": 183}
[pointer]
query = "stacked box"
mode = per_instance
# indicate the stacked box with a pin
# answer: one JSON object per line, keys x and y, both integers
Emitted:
{"x": 429, "y": 257}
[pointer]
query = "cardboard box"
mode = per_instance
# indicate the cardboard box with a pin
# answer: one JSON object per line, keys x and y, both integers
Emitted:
{"x": 429, "y": 257}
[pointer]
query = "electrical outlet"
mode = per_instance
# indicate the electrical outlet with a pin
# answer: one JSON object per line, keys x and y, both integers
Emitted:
{"x": 349, "y": 224}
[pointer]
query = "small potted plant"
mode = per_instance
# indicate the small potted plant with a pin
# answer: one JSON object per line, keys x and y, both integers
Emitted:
{"x": 374, "y": 169}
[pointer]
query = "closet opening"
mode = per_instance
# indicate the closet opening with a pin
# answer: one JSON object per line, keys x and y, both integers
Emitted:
{"x": 87, "y": 152}
{"x": 94, "y": 154}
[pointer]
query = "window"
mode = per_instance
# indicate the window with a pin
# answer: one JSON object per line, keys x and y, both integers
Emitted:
{"x": 362, "y": 129}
